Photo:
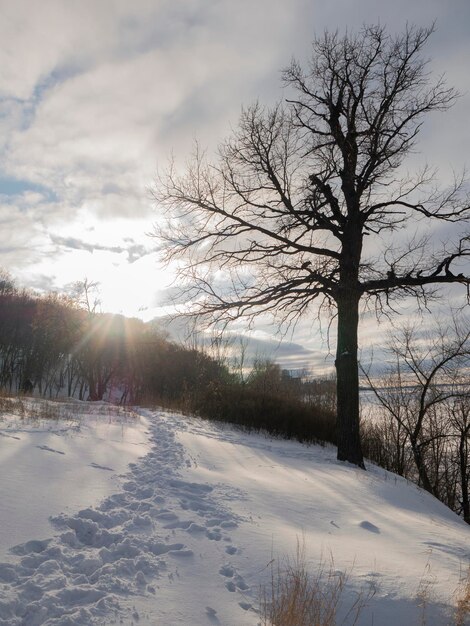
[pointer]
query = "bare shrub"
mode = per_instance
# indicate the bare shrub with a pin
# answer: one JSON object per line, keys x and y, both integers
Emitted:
{"x": 11, "y": 406}
{"x": 274, "y": 413}
{"x": 66, "y": 410}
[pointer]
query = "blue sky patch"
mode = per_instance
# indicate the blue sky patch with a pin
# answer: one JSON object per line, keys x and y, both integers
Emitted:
{"x": 14, "y": 187}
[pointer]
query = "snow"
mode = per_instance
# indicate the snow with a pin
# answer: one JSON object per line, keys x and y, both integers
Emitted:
{"x": 157, "y": 518}
{"x": 51, "y": 465}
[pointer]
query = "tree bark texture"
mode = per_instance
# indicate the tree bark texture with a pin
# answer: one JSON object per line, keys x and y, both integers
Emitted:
{"x": 463, "y": 459}
{"x": 347, "y": 381}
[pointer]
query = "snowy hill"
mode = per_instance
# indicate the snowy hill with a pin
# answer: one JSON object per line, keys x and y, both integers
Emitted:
{"x": 162, "y": 520}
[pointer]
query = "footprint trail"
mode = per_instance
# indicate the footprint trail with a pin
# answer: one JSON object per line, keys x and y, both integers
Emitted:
{"x": 136, "y": 541}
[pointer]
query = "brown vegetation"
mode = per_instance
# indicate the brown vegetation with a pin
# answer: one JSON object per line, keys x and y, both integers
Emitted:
{"x": 296, "y": 596}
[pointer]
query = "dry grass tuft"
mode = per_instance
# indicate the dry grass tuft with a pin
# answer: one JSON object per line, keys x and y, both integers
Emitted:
{"x": 296, "y": 597}
{"x": 11, "y": 405}
{"x": 462, "y": 602}
{"x": 37, "y": 409}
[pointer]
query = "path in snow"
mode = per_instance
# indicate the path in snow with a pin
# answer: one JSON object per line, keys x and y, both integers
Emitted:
{"x": 48, "y": 466}
{"x": 104, "y": 560}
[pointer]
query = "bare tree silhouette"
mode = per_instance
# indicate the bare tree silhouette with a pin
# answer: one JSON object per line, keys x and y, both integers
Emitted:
{"x": 280, "y": 220}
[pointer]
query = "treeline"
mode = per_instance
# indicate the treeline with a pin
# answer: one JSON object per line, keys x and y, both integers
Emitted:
{"x": 54, "y": 345}
{"x": 271, "y": 399}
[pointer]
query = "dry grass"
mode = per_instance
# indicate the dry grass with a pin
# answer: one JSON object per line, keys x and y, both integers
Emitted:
{"x": 11, "y": 405}
{"x": 35, "y": 409}
{"x": 296, "y": 597}
{"x": 459, "y": 604}
{"x": 424, "y": 593}
{"x": 462, "y": 602}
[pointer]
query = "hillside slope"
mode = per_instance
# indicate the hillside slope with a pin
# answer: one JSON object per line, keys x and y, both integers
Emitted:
{"x": 186, "y": 535}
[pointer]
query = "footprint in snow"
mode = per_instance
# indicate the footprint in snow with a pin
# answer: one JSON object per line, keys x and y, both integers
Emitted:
{"x": 34, "y": 546}
{"x": 212, "y": 615}
{"x": 214, "y": 534}
{"x": 236, "y": 582}
{"x": 372, "y": 528}
{"x": 241, "y": 584}
{"x": 167, "y": 516}
{"x": 227, "y": 571}
{"x": 181, "y": 552}
{"x": 101, "y": 467}
{"x": 10, "y": 436}
{"x": 47, "y": 449}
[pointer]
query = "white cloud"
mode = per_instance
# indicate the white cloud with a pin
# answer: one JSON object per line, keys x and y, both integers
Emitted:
{"x": 94, "y": 95}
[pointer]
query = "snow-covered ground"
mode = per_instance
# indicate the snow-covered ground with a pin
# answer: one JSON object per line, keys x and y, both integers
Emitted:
{"x": 161, "y": 520}
{"x": 52, "y": 465}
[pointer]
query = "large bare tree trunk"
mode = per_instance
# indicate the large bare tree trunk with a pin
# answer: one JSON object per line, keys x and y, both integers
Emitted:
{"x": 347, "y": 381}
{"x": 420, "y": 463}
{"x": 463, "y": 459}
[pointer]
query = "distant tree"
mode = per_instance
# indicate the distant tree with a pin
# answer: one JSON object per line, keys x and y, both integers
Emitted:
{"x": 422, "y": 413}
{"x": 17, "y": 309}
{"x": 86, "y": 294}
{"x": 7, "y": 283}
{"x": 101, "y": 352}
{"x": 281, "y": 220}
{"x": 265, "y": 377}
{"x": 425, "y": 376}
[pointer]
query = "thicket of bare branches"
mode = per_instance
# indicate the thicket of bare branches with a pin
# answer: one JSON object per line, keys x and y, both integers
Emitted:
{"x": 421, "y": 426}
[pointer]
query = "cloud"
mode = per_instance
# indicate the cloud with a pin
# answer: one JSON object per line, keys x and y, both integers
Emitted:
{"x": 134, "y": 251}
{"x": 95, "y": 95}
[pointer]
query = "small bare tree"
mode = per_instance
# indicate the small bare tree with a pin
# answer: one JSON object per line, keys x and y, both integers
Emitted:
{"x": 425, "y": 401}
{"x": 281, "y": 220}
{"x": 86, "y": 294}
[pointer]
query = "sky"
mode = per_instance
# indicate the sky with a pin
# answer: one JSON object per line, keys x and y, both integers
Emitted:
{"x": 95, "y": 98}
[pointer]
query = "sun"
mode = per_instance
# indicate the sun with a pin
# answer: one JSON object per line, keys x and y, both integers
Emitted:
{"x": 114, "y": 254}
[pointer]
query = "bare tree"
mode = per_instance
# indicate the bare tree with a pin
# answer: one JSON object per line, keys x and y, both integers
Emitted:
{"x": 281, "y": 219}
{"x": 423, "y": 412}
{"x": 424, "y": 383}
{"x": 86, "y": 294}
